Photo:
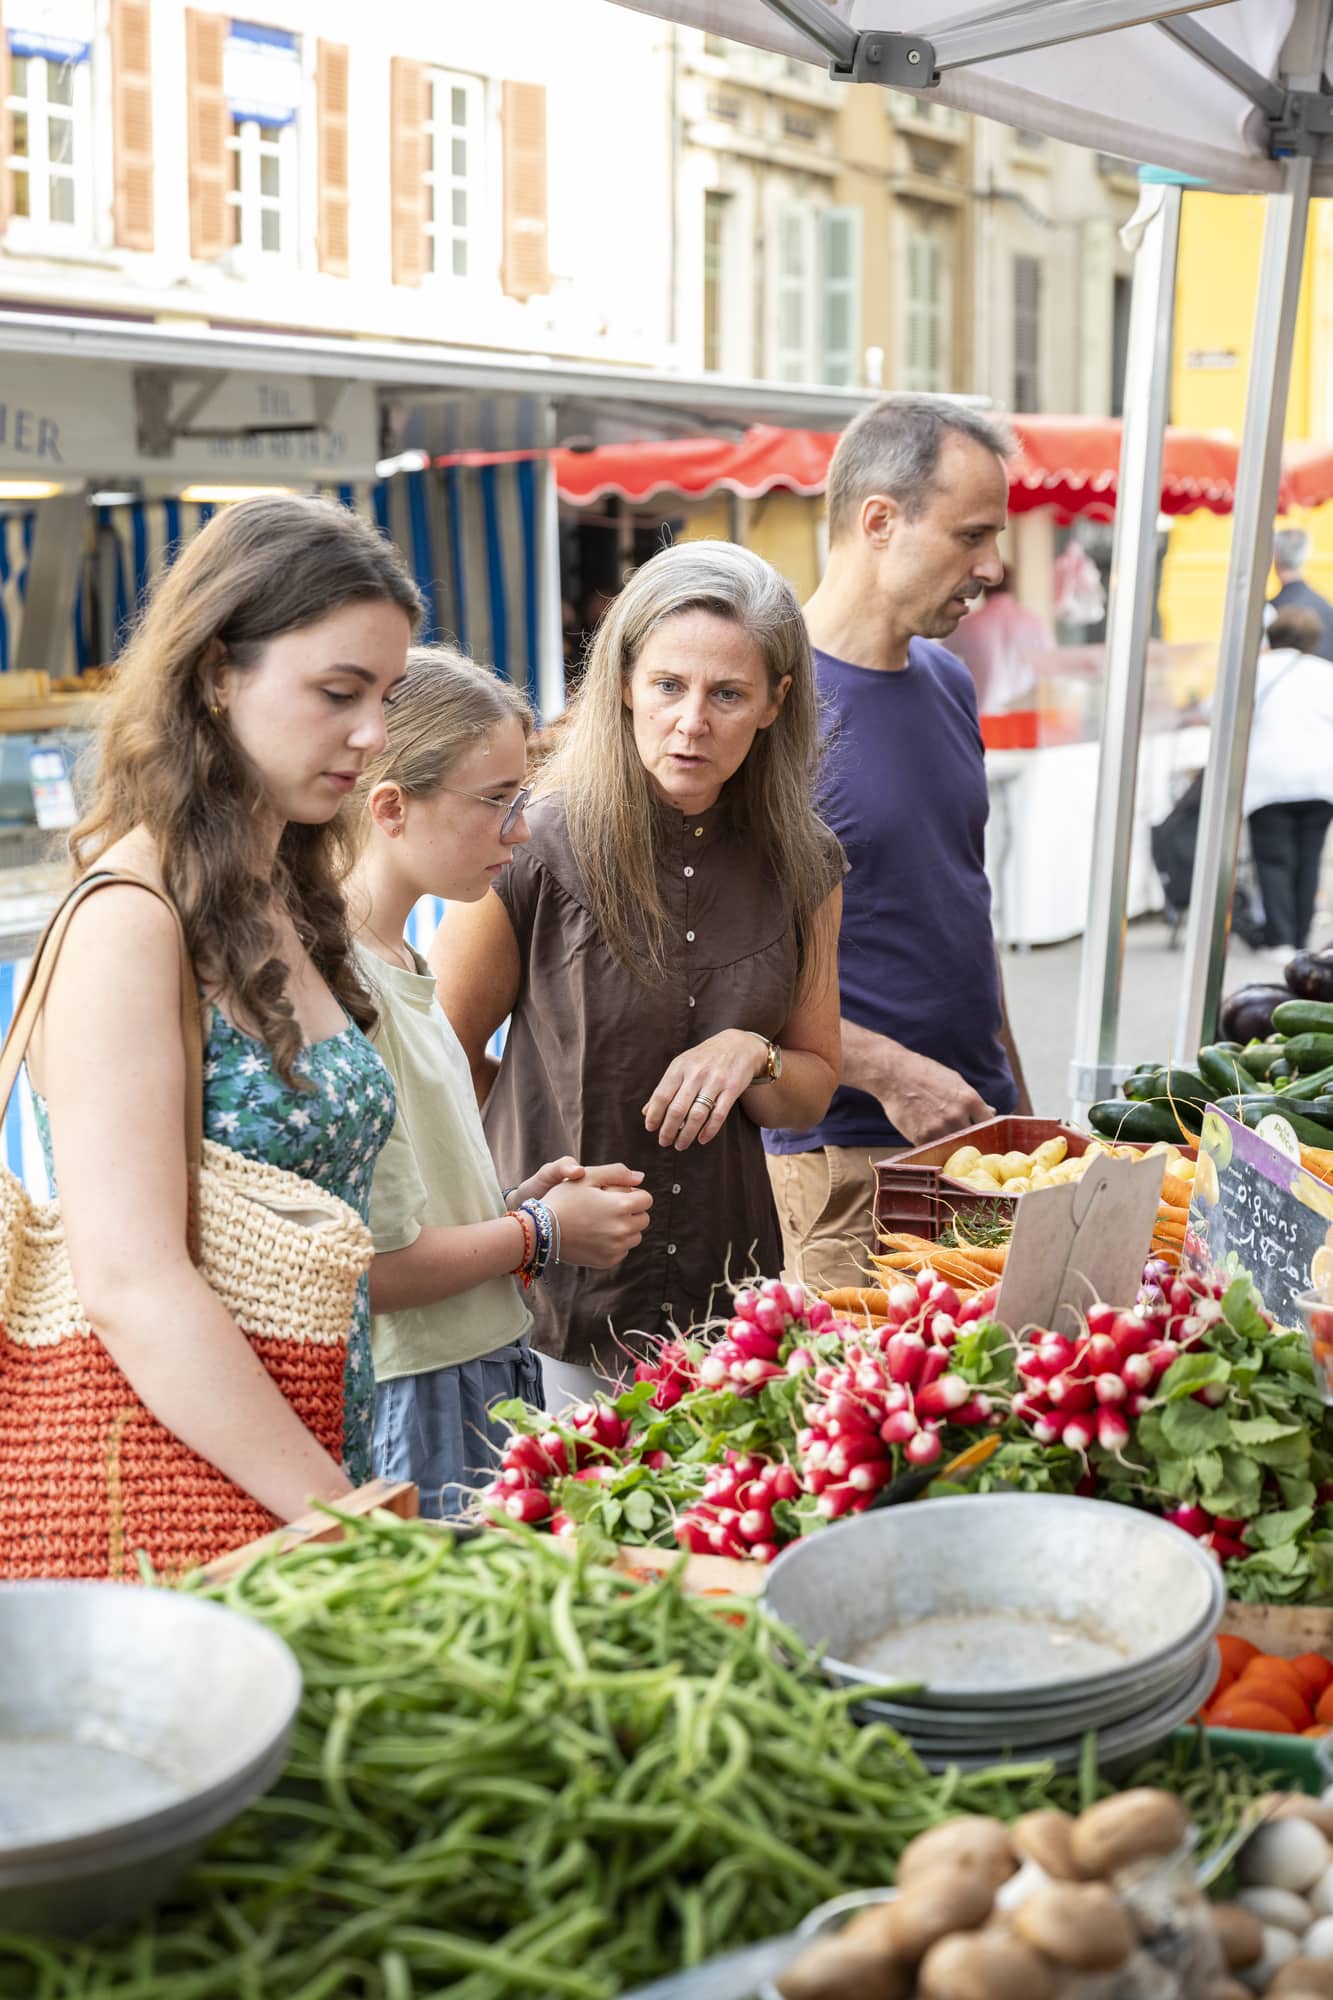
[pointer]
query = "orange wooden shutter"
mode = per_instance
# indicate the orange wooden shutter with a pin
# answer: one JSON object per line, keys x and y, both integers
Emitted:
{"x": 525, "y": 267}
{"x": 205, "y": 38}
{"x": 132, "y": 122}
{"x": 334, "y": 184}
{"x": 407, "y": 169}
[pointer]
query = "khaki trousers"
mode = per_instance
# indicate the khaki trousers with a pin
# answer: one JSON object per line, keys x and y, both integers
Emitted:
{"x": 826, "y": 1205}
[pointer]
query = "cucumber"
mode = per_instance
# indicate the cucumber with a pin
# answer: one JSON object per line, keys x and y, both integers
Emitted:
{"x": 1249, "y": 1110}
{"x": 1144, "y": 1084}
{"x": 1304, "y": 1052}
{"x": 1186, "y": 1085}
{"x": 1143, "y": 1124}
{"x": 1265, "y": 1060}
{"x": 1304, "y": 1017}
{"x": 1222, "y": 1066}
{"x": 1317, "y": 1084}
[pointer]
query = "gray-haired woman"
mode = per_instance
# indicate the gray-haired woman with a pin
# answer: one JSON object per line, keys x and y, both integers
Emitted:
{"x": 666, "y": 945}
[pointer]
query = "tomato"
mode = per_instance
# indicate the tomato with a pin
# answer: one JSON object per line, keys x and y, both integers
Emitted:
{"x": 1236, "y": 1653}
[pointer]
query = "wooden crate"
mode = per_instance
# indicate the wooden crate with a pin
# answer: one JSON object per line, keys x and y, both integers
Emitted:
{"x": 1284, "y": 1629}
{"x": 398, "y": 1497}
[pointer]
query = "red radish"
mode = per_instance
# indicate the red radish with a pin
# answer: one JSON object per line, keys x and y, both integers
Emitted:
{"x": 1101, "y": 1353}
{"x": 976, "y": 1410}
{"x": 1227, "y": 1524}
{"x": 514, "y": 1478}
{"x": 906, "y": 1354}
{"x": 1110, "y": 1388}
{"x": 1057, "y": 1353}
{"x": 903, "y": 1299}
{"x": 745, "y": 1304}
{"x": 799, "y": 1360}
{"x": 825, "y": 1377}
{"x": 1214, "y": 1394}
{"x": 529, "y": 1505}
{"x": 751, "y": 1343}
{"x": 939, "y": 1398}
{"x": 900, "y": 1427}
{"x": 1137, "y": 1371}
{"x": 944, "y": 1329}
{"x": 1102, "y": 1321}
{"x": 834, "y": 1502}
{"x": 1077, "y": 1434}
{"x": 1193, "y": 1520}
{"x": 845, "y": 1411}
{"x": 926, "y": 1281}
{"x": 764, "y": 1552}
{"x": 1046, "y": 1430}
{"x": 694, "y": 1535}
{"x": 896, "y": 1397}
{"x": 1161, "y": 1354}
{"x": 796, "y": 1301}
{"x": 1112, "y": 1430}
{"x": 756, "y": 1525}
{"x": 561, "y": 1524}
{"x": 769, "y": 1318}
{"x": 713, "y": 1371}
{"x": 869, "y": 1477}
{"x": 1027, "y": 1405}
{"x": 1071, "y": 1392}
{"x": 870, "y": 1379}
{"x": 852, "y": 1451}
{"x": 1136, "y": 1403}
{"x": 1132, "y": 1333}
{"x": 657, "y": 1461}
{"x": 935, "y": 1363}
{"x": 818, "y": 1315}
{"x": 756, "y": 1373}
{"x": 1226, "y": 1548}
{"x": 924, "y": 1448}
{"x": 784, "y": 1483}
{"x": 817, "y": 1478}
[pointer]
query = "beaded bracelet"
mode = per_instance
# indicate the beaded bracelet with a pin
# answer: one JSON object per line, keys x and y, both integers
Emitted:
{"x": 523, "y": 1269}
{"x": 545, "y": 1224}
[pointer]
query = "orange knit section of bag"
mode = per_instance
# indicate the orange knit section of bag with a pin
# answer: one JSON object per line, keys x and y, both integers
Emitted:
{"x": 88, "y": 1477}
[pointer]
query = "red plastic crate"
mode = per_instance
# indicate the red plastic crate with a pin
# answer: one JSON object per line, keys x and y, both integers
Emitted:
{"x": 912, "y": 1195}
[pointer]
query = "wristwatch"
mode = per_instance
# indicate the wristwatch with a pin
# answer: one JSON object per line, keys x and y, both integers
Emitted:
{"x": 773, "y": 1070}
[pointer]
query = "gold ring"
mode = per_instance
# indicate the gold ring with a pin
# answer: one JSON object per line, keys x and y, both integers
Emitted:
{"x": 709, "y": 1101}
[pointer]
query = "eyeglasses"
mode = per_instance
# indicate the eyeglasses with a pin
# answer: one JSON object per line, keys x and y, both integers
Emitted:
{"x": 512, "y": 812}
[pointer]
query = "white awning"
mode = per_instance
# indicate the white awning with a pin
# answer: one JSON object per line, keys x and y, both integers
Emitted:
{"x": 1133, "y": 91}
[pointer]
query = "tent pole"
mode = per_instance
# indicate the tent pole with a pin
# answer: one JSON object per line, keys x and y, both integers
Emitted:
{"x": 1257, "y": 476}
{"x": 551, "y": 626}
{"x": 1128, "y": 627}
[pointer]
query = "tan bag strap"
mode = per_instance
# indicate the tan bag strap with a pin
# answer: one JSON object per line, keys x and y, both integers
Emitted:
{"x": 43, "y": 966}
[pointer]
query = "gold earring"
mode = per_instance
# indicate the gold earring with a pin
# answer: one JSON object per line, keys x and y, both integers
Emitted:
{"x": 215, "y": 709}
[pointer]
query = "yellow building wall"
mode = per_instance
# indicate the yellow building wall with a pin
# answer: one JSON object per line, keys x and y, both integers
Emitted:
{"x": 1220, "y": 242}
{"x": 781, "y": 527}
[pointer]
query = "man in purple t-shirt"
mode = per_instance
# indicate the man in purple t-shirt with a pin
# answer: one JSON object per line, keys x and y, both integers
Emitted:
{"x": 917, "y": 498}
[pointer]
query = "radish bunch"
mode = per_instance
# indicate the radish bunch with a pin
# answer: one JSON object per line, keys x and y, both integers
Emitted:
{"x": 876, "y": 1403}
{"x": 734, "y": 1516}
{"x": 1224, "y": 1535}
{"x": 674, "y": 1372}
{"x": 531, "y": 1465}
{"x": 763, "y": 1320}
{"x": 1086, "y": 1391}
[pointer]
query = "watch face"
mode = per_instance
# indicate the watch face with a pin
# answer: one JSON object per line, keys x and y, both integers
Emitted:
{"x": 775, "y": 1060}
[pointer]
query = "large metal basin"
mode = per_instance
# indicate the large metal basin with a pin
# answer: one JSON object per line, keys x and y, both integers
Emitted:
{"x": 999, "y": 1600}
{"x": 133, "y": 1724}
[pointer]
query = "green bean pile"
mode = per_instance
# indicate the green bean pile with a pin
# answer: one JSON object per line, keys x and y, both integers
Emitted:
{"x": 515, "y": 1772}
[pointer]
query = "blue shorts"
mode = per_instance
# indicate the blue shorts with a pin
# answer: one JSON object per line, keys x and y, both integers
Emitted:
{"x": 434, "y": 1428}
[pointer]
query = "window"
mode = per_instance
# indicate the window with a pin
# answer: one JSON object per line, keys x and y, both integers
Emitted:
{"x": 840, "y": 277}
{"x": 50, "y": 119}
{"x": 262, "y": 83}
{"x": 927, "y": 314}
{"x": 818, "y": 294}
{"x": 1121, "y": 290}
{"x": 262, "y": 186}
{"x": 454, "y": 159}
{"x": 1027, "y": 333}
{"x": 716, "y": 205}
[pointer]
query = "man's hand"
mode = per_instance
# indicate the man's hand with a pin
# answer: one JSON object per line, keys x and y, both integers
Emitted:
{"x": 925, "y": 1100}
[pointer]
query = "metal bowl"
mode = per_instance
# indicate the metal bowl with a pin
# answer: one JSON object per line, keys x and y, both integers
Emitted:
{"x": 133, "y": 1724}
{"x": 1038, "y": 1720}
{"x": 995, "y": 1600}
{"x": 827, "y": 1919}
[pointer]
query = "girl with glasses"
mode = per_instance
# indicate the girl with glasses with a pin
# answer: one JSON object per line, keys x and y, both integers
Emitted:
{"x": 442, "y": 814}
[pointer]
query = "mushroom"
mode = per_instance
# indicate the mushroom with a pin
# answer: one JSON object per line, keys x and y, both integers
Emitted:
{"x": 1321, "y": 1896}
{"x": 1284, "y": 1854}
{"x": 1306, "y": 1976}
{"x": 1228, "y": 1989}
{"x": 936, "y": 1906}
{"x": 1046, "y": 1837}
{"x": 984, "y": 1965}
{"x": 1282, "y": 1907}
{"x": 1133, "y": 1826}
{"x": 834, "y": 1968}
{"x": 971, "y": 1841}
{"x": 1279, "y": 1948}
{"x": 1318, "y": 1940}
{"x": 1240, "y": 1934}
{"x": 1078, "y": 1924}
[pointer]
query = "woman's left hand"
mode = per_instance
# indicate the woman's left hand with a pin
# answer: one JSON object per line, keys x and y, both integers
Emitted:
{"x": 695, "y": 1096}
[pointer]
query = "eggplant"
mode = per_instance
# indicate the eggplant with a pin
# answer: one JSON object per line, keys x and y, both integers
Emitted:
{"x": 1309, "y": 975}
{"x": 1247, "y": 1014}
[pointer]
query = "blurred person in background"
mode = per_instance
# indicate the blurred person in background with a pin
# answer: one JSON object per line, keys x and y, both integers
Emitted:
{"x": 999, "y": 642}
{"x": 1289, "y": 774}
{"x": 1291, "y": 552}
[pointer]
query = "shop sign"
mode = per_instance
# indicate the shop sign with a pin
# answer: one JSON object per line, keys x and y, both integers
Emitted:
{"x": 282, "y": 426}
{"x": 1213, "y": 360}
{"x": 64, "y": 420}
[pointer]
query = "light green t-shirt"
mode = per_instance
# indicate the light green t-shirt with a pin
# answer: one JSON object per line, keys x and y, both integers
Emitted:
{"x": 435, "y": 1172}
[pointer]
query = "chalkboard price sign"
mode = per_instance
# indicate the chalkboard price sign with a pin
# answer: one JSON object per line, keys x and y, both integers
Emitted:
{"x": 1255, "y": 1208}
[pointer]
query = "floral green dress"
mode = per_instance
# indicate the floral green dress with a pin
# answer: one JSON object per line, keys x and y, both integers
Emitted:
{"x": 330, "y": 1134}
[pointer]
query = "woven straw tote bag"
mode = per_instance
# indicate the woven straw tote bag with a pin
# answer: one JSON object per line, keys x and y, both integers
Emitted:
{"x": 88, "y": 1477}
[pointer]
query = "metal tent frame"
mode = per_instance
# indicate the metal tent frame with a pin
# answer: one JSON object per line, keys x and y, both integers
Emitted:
{"x": 1289, "y": 125}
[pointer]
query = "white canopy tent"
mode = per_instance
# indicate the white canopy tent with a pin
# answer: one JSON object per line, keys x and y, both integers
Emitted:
{"x": 1232, "y": 93}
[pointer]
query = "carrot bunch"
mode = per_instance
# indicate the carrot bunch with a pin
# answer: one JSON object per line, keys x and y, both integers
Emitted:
{"x": 1264, "y": 1692}
{"x": 971, "y": 1269}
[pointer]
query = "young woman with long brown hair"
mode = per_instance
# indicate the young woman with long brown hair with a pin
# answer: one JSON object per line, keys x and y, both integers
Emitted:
{"x": 666, "y": 943}
{"x": 246, "y": 704}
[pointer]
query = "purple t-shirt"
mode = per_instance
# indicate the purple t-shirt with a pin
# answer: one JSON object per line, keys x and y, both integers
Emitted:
{"x": 905, "y": 792}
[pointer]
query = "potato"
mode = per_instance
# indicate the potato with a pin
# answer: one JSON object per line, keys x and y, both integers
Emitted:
{"x": 960, "y": 1164}
{"x": 1013, "y": 1164}
{"x": 1051, "y": 1152}
{"x": 1128, "y": 1827}
{"x": 1019, "y": 1184}
{"x": 992, "y": 1164}
{"x": 1306, "y": 1976}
